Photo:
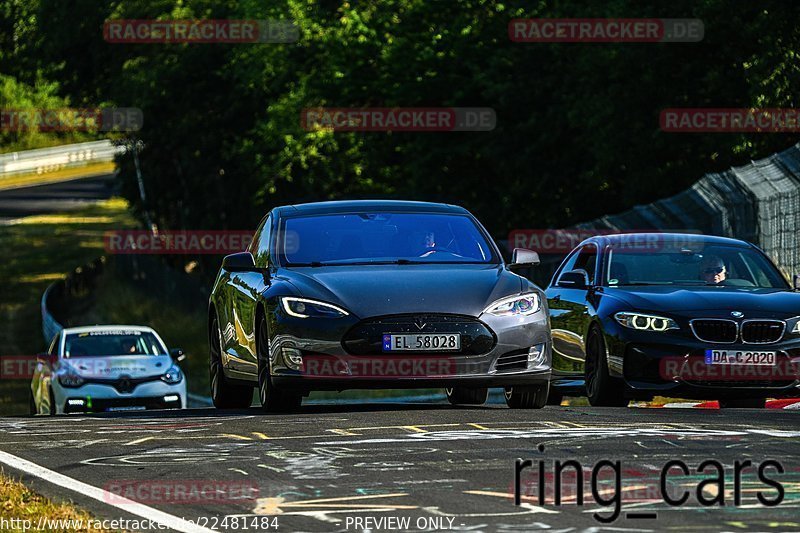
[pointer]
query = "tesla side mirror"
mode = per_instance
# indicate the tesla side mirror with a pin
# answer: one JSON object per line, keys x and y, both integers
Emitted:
{"x": 241, "y": 262}
{"x": 177, "y": 355}
{"x": 521, "y": 258}
{"x": 574, "y": 279}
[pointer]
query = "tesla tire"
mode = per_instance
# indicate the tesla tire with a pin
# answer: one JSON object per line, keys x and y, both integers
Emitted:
{"x": 528, "y": 397}
{"x": 467, "y": 395}
{"x": 272, "y": 400}
{"x": 601, "y": 389}
{"x": 752, "y": 403}
{"x": 224, "y": 394}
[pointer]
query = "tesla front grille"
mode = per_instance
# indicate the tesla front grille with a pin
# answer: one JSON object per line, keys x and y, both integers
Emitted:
{"x": 762, "y": 331}
{"x": 715, "y": 330}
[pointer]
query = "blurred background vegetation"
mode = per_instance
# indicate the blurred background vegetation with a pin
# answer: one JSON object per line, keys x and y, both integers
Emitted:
{"x": 577, "y": 131}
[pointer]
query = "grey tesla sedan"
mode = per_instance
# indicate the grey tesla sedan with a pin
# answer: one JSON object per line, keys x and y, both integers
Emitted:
{"x": 376, "y": 294}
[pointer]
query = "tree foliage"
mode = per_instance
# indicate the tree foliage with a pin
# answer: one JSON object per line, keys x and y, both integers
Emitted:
{"x": 577, "y": 131}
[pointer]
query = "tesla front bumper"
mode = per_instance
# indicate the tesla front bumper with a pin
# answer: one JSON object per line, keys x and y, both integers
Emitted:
{"x": 494, "y": 352}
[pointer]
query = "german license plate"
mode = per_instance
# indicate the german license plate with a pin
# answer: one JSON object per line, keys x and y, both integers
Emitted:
{"x": 428, "y": 342}
{"x": 739, "y": 357}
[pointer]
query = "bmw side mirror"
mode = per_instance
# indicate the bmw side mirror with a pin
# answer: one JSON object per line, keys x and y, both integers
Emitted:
{"x": 521, "y": 258}
{"x": 177, "y": 355}
{"x": 240, "y": 262}
{"x": 796, "y": 282}
{"x": 574, "y": 279}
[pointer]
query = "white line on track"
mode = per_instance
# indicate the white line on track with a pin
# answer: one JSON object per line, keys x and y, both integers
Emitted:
{"x": 114, "y": 500}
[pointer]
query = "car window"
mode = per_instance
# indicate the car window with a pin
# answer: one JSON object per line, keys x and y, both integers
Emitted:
{"x": 374, "y": 237}
{"x": 112, "y": 343}
{"x": 586, "y": 260}
{"x": 261, "y": 244}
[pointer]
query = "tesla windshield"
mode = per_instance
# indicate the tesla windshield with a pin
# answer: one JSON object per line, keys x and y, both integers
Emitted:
{"x": 381, "y": 237}
{"x": 106, "y": 343}
{"x": 713, "y": 265}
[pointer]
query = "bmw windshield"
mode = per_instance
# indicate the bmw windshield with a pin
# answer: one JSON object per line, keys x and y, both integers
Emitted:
{"x": 696, "y": 265}
{"x": 383, "y": 238}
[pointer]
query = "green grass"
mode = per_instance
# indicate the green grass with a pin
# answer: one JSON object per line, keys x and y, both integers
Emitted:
{"x": 17, "y": 502}
{"x": 37, "y": 251}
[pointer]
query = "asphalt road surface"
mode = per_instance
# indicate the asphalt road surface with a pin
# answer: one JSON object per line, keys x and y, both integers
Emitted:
{"x": 54, "y": 197}
{"x": 344, "y": 468}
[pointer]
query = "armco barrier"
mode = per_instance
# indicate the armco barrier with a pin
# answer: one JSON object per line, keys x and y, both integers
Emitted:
{"x": 44, "y": 160}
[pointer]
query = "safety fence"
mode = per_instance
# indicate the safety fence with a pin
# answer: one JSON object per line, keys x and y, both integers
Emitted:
{"x": 758, "y": 202}
{"x": 56, "y": 158}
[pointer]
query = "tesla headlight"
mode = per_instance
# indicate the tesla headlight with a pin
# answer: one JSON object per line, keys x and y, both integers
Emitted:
{"x": 305, "y": 308}
{"x": 172, "y": 376}
{"x": 521, "y": 304}
{"x": 70, "y": 380}
{"x": 645, "y": 322}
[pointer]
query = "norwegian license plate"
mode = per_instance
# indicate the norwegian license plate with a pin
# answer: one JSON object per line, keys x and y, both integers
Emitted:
{"x": 739, "y": 357}
{"x": 428, "y": 342}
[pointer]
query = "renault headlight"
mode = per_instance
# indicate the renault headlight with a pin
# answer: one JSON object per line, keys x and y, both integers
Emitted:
{"x": 172, "y": 376}
{"x": 519, "y": 305}
{"x": 306, "y": 308}
{"x": 643, "y": 322}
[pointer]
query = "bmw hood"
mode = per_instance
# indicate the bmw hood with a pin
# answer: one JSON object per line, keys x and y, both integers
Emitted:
{"x": 113, "y": 367}
{"x": 710, "y": 301}
{"x": 374, "y": 290}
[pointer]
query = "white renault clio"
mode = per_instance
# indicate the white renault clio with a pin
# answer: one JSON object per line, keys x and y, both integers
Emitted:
{"x": 107, "y": 368}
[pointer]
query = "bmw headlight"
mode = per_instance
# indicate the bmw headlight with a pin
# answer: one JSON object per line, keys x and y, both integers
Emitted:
{"x": 793, "y": 326}
{"x": 306, "y": 308}
{"x": 70, "y": 380}
{"x": 519, "y": 305}
{"x": 643, "y": 322}
{"x": 172, "y": 376}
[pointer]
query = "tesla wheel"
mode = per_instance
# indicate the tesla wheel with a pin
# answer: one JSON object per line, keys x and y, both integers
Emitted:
{"x": 554, "y": 398}
{"x": 601, "y": 389}
{"x": 224, "y": 394}
{"x": 467, "y": 395}
{"x": 752, "y": 403}
{"x": 528, "y": 397}
{"x": 272, "y": 400}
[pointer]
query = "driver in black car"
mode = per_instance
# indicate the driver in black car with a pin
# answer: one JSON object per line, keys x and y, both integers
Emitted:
{"x": 713, "y": 271}
{"x": 428, "y": 244}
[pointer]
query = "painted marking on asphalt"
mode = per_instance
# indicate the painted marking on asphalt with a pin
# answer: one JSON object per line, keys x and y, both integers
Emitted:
{"x": 260, "y": 435}
{"x": 239, "y": 470}
{"x": 90, "y": 491}
{"x": 237, "y": 437}
{"x": 344, "y": 432}
{"x": 478, "y": 426}
{"x": 138, "y": 441}
{"x": 414, "y": 429}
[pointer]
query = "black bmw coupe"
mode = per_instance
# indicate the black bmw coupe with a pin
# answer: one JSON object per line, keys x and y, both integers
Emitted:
{"x": 638, "y": 315}
{"x": 376, "y": 294}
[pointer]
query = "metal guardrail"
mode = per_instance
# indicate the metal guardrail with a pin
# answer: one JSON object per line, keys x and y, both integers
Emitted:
{"x": 44, "y": 160}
